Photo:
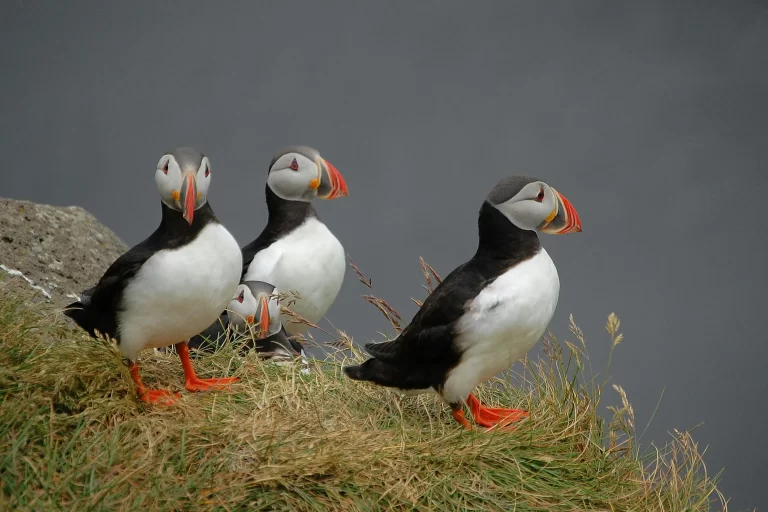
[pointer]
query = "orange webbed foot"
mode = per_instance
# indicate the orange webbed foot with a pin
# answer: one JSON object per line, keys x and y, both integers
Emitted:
{"x": 151, "y": 396}
{"x": 501, "y": 418}
{"x": 158, "y": 396}
{"x": 197, "y": 384}
{"x": 191, "y": 381}
{"x": 458, "y": 415}
{"x": 492, "y": 417}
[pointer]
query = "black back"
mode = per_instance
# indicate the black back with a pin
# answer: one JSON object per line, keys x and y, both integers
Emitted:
{"x": 277, "y": 342}
{"x": 284, "y": 217}
{"x": 99, "y": 306}
{"x": 425, "y": 351}
{"x": 214, "y": 337}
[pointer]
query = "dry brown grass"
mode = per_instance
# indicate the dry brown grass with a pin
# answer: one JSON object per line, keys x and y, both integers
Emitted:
{"x": 74, "y": 437}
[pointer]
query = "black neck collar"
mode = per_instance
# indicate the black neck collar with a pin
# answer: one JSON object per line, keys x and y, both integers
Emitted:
{"x": 286, "y": 215}
{"x": 177, "y": 231}
{"x": 502, "y": 240}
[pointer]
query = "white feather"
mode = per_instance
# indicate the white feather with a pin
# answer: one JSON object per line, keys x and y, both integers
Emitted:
{"x": 503, "y": 323}
{"x": 310, "y": 261}
{"x": 178, "y": 293}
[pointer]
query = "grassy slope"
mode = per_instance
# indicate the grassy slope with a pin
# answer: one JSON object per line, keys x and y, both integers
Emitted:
{"x": 72, "y": 436}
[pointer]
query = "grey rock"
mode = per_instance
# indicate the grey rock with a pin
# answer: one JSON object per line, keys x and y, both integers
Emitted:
{"x": 58, "y": 251}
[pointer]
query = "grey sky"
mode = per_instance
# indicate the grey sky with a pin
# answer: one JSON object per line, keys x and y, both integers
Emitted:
{"x": 649, "y": 117}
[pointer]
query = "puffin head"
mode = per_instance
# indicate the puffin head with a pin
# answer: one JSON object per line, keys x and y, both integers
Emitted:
{"x": 182, "y": 178}
{"x": 299, "y": 173}
{"x": 255, "y": 305}
{"x": 531, "y": 204}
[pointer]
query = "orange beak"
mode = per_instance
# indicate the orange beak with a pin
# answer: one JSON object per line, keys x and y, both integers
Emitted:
{"x": 188, "y": 197}
{"x": 565, "y": 220}
{"x": 332, "y": 184}
{"x": 263, "y": 314}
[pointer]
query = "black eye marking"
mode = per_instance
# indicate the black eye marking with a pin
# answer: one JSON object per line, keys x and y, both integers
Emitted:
{"x": 165, "y": 167}
{"x": 207, "y": 171}
{"x": 539, "y": 198}
{"x": 241, "y": 297}
{"x": 294, "y": 165}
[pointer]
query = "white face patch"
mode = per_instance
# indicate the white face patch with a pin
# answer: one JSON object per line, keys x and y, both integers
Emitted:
{"x": 275, "y": 323}
{"x": 242, "y": 305}
{"x": 168, "y": 180}
{"x": 530, "y": 207}
{"x": 203, "y": 181}
{"x": 169, "y": 177}
{"x": 245, "y": 304}
{"x": 291, "y": 175}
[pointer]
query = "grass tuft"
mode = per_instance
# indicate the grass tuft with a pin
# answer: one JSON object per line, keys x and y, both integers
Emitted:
{"x": 74, "y": 437}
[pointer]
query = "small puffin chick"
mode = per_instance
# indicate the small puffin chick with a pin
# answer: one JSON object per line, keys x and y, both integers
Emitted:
{"x": 173, "y": 284}
{"x": 488, "y": 312}
{"x": 296, "y": 251}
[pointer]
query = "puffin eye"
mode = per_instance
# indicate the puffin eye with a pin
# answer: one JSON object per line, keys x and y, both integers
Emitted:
{"x": 241, "y": 297}
{"x": 539, "y": 198}
{"x": 294, "y": 165}
{"x": 165, "y": 167}
{"x": 207, "y": 171}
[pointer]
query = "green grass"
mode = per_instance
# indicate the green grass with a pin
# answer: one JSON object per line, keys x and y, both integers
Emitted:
{"x": 74, "y": 437}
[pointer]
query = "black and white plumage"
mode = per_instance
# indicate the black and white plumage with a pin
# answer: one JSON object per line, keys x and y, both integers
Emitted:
{"x": 296, "y": 252}
{"x": 173, "y": 284}
{"x": 488, "y": 312}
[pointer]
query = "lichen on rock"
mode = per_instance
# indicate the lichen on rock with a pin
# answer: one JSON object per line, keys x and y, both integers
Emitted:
{"x": 57, "y": 250}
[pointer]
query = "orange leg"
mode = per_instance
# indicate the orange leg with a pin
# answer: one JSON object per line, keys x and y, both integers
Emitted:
{"x": 151, "y": 396}
{"x": 191, "y": 381}
{"x": 493, "y": 416}
{"x": 458, "y": 415}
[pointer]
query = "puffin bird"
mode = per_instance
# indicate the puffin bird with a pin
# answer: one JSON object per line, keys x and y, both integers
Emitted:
{"x": 256, "y": 308}
{"x": 173, "y": 284}
{"x": 254, "y": 311}
{"x": 296, "y": 252}
{"x": 488, "y": 312}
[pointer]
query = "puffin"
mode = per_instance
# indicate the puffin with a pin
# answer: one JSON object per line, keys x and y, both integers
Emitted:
{"x": 487, "y": 313}
{"x": 172, "y": 285}
{"x": 254, "y": 311}
{"x": 296, "y": 252}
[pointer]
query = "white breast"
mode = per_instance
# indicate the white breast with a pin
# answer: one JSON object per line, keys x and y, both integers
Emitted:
{"x": 503, "y": 323}
{"x": 310, "y": 261}
{"x": 180, "y": 292}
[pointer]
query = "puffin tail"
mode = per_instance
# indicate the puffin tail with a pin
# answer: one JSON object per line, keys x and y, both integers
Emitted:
{"x": 387, "y": 351}
{"x": 388, "y": 375}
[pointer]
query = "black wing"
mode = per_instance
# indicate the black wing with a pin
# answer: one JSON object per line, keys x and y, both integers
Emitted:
{"x": 98, "y": 307}
{"x": 430, "y": 333}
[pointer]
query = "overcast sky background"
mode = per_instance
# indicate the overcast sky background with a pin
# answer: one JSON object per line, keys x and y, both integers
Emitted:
{"x": 650, "y": 117}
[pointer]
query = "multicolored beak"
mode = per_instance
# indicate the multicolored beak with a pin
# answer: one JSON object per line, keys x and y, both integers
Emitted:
{"x": 563, "y": 218}
{"x": 188, "y": 197}
{"x": 332, "y": 184}
{"x": 262, "y": 314}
